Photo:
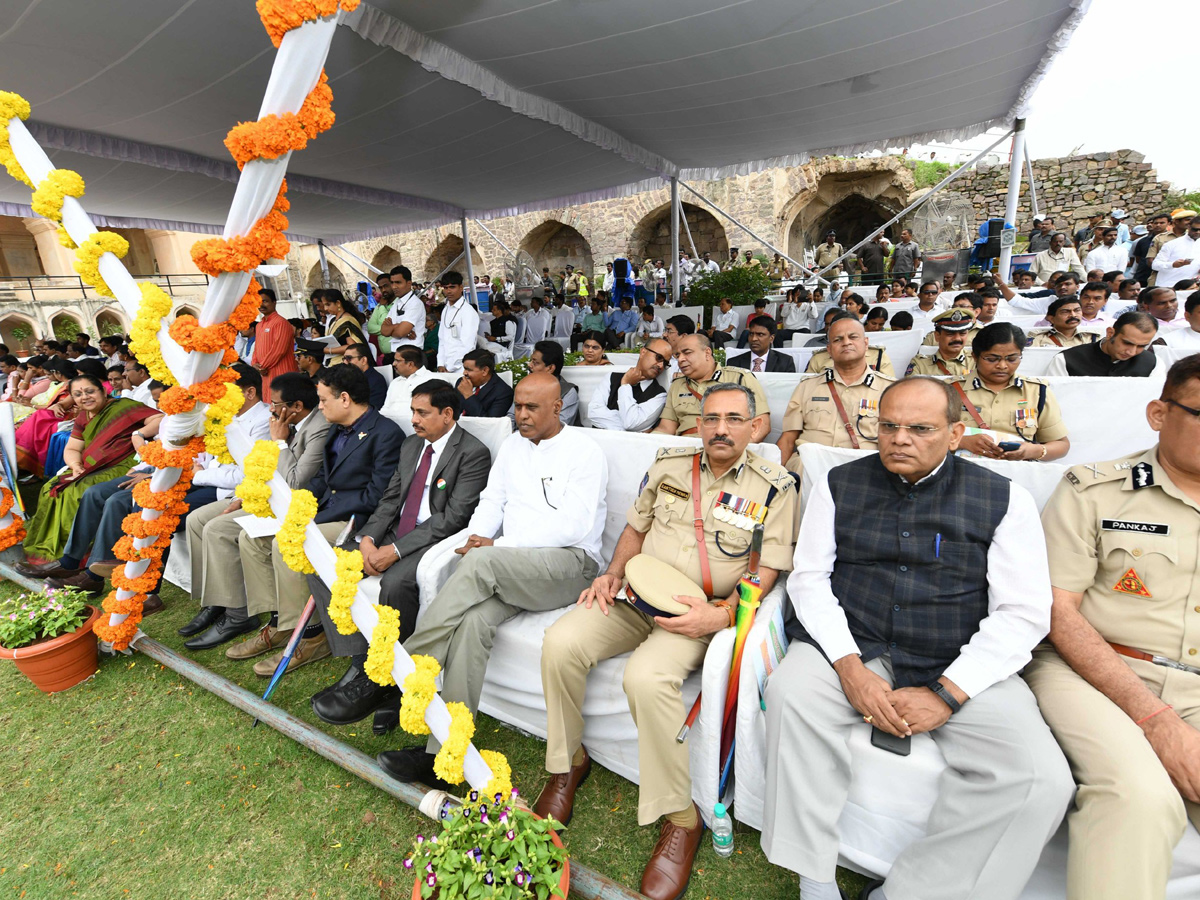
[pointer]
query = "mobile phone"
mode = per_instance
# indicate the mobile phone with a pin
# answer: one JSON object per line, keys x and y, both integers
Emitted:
{"x": 1009, "y": 446}
{"x": 901, "y": 746}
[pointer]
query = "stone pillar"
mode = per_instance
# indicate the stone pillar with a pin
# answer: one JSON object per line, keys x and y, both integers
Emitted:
{"x": 173, "y": 251}
{"x": 56, "y": 259}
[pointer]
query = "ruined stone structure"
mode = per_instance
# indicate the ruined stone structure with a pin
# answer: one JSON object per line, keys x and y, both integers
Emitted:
{"x": 793, "y": 208}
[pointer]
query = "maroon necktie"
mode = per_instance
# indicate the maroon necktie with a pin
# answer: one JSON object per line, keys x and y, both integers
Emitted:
{"x": 758, "y": 365}
{"x": 416, "y": 490}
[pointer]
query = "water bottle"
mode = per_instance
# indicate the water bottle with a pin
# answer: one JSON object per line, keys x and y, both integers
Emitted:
{"x": 722, "y": 831}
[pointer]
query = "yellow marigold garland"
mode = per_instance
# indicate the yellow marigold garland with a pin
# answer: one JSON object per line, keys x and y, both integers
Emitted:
{"x": 54, "y": 188}
{"x": 12, "y": 106}
{"x": 87, "y": 258}
{"x": 345, "y": 586}
{"x": 65, "y": 239}
{"x": 501, "y": 782}
{"x": 218, "y": 418}
{"x": 382, "y": 652}
{"x": 258, "y": 469}
{"x": 448, "y": 764}
{"x": 155, "y": 306}
{"x": 420, "y": 687}
{"x": 301, "y": 510}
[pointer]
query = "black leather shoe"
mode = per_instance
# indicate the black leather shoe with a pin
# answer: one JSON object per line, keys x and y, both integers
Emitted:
{"x": 413, "y": 764}
{"x": 865, "y": 893}
{"x": 387, "y": 718}
{"x": 353, "y": 701}
{"x": 223, "y": 631}
{"x": 202, "y": 621}
{"x": 348, "y": 676}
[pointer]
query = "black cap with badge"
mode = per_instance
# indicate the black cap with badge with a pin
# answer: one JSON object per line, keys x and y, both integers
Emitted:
{"x": 957, "y": 320}
{"x": 315, "y": 349}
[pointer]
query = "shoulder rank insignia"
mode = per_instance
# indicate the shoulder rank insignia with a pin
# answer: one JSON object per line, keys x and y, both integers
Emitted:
{"x": 676, "y": 452}
{"x": 1131, "y": 584}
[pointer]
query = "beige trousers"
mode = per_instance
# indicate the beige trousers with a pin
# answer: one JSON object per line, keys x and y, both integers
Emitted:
{"x": 1127, "y": 816}
{"x": 212, "y": 545}
{"x": 653, "y": 675}
{"x": 270, "y": 585}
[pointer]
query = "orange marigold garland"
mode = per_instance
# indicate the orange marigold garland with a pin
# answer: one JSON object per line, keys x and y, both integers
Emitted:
{"x": 189, "y": 334}
{"x": 281, "y": 16}
{"x": 14, "y": 533}
{"x": 272, "y": 136}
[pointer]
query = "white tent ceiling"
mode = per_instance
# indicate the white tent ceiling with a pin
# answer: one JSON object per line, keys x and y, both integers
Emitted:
{"x": 506, "y": 105}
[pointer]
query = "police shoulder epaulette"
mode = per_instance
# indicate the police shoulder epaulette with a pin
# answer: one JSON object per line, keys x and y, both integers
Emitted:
{"x": 1088, "y": 475}
{"x": 676, "y": 452}
{"x": 777, "y": 476}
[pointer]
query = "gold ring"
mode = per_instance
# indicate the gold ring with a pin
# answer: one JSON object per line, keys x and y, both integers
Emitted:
{"x": 868, "y": 718}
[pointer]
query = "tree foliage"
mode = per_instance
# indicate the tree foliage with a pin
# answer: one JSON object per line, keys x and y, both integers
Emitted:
{"x": 742, "y": 285}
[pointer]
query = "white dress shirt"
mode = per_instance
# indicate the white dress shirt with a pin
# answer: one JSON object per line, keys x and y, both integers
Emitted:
{"x": 438, "y": 446}
{"x": 609, "y": 281}
{"x": 652, "y": 329}
{"x": 1018, "y": 608}
{"x": 142, "y": 394}
{"x": 1107, "y": 259}
{"x": 457, "y": 333}
{"x": 710, "y": 268}
{"x": 631, "y": 414}
{"x": 549, "y": 494}
{"x": 1166, "y": 275}
{"x": 725, "y": 321}
{"x": 397, "y": 406}
{"x": 255, "y": 423}
{"x": 410, "y": 309}
{"x": 564, "y": 322}
{"x": 537, "y": 325}
{"x": 1183, "y": 338}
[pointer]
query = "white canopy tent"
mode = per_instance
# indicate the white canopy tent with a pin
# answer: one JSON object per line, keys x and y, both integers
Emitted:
{"x": 457, "y": 107}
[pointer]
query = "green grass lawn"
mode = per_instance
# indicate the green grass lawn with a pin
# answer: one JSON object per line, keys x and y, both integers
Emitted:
{"x": 139, "y": 784}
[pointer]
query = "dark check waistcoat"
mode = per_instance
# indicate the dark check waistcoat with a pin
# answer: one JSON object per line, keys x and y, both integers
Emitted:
{"x": 900, "y": 594}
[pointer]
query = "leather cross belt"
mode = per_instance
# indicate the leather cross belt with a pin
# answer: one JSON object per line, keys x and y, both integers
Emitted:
{"x": 1134, "y": 653}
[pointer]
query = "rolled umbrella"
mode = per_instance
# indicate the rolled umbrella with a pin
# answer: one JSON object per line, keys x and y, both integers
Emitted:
{"x": 290, "y": 649}
{"x": 749, "y": 599}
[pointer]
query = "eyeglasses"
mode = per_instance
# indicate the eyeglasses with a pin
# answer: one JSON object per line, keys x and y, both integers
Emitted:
{"x": 929, "y": 293}
{"x": 917, "y": 431}
{"x": 662, "y": 360}
{"x": 1186, "y": 409}
{"x": 996, "y": 360}
{"x": 731, "y": 421}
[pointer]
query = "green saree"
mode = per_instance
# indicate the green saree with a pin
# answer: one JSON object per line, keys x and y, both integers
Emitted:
{"x": 107, "y": 453}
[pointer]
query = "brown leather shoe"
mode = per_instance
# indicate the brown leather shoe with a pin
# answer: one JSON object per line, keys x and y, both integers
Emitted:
{"x": 308, "y": 650}
{"x": 667, "y": 873}
{"x": 49, "y": 569}
{"x": 262, "y": 641}
{"x": 557, "y": 798}
{"x": 82, "y": 580}
{"x": 152, "y": 605}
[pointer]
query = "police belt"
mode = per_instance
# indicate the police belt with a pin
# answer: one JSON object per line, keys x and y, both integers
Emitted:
{"x": 1134, "y": 653}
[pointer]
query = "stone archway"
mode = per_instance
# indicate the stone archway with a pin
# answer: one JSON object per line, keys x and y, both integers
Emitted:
{"x": 110, "y": 322}
{"x": 336, "y": 279}
{"x": 853, "y": 218}
{"x": 18, "y": 333}
{"x": 651, "y": 237}
{"x": 450, "y": 247}
{"x": 186, "y": 311}
{"x": 387, "y": 259}
{"x": 66, "y": 326}
{"x": 555, "y": 246}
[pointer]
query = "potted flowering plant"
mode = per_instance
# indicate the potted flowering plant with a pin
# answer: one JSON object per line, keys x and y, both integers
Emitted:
{"x": 48, "y": 634}
{"x": 490, "y": 850}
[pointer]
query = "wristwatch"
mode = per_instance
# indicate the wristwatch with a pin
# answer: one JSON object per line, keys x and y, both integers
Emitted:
{"x": 948, "y": 698}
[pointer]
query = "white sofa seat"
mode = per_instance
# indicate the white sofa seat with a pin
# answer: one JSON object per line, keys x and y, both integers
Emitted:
{"x": 512, "y": 689}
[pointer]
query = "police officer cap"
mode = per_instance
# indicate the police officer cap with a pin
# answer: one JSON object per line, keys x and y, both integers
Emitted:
{"x": 653, "y": 585}
{"x": 831, "y": 233}
{"x": 957, "y": 319}
{"x": 314, "y": 349}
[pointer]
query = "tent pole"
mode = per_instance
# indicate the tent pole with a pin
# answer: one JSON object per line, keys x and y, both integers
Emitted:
{"x": 1014, "y": 193}
{"x": 370, "y": 266}
{"x": 1033, "y": 201}
{"x": 324, "y": 264}
{"x": 488, "y": 232}
{"x": 765, "y": 243}
{"x": 350, "y": 265}
{"x": 688, "y": 231}
{"x": 466, "y": 239}
{"x": 965, "y": 167}
{"x": 675, "y": 210}
{"x": 449, "y": 266}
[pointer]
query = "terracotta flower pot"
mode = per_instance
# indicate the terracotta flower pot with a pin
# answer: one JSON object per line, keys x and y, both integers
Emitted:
{"x": 55, "y": 664}
{"x": 564, "y": 881}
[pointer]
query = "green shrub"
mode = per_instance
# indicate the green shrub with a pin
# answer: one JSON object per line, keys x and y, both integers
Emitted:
{"x": 742, "y": 285}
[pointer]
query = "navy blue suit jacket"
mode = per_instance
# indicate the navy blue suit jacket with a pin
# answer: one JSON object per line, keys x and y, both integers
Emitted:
{"x": 379, "y": 388}
{"x": 353, "y": 484}
{"x": 494, "y": 400}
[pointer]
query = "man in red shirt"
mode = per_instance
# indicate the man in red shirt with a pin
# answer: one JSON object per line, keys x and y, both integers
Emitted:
{"x": 275, "y": 342}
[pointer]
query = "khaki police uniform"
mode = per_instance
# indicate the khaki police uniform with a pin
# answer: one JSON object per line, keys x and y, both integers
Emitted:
{"x": 963, "y": 364}
{"x": 684, "y": 396}
{"x": 812, "y": 412}
{"x": 661, "y": 660}
{"x": 1025, "y": 408}
{"x": 824, "y": 255}
{"x": 778, "y": 271}
{"x": 1122, "y": 534}
{"x": 1058, "y": 339}
{"x": 877, "y": 359}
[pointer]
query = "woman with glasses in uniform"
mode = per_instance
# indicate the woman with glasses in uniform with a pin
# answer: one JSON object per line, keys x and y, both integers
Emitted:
{"x": 1022, "y": 411}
